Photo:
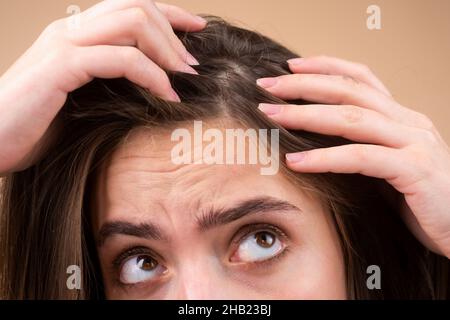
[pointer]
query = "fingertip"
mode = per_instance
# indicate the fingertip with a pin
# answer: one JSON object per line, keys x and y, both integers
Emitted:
{"x": 189, "y": 69}
{"x": 295, "y": 158}
{"x": 202, "y": 22}
{"x": 182, "y": 66}
{"x": 296, "y": 64}
{"x": 266, "y": 83}
{"x": 173, "y": 96}
{"x": 295, "y": 61}
{"x": 191, "y": 60}
{"x": 269, "y": 109}
{"x": 195, "y": 23}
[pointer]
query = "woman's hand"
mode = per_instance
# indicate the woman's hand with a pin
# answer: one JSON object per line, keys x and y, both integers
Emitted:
{"x": 392, "y": 142}
{"x": 115, "y": 38}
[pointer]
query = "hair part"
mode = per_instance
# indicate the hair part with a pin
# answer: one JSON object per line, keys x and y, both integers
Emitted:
{"x": 45, "y": 210}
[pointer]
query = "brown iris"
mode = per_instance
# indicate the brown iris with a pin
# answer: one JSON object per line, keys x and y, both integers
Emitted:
{"x": 147, "y": 263}
{"x": 264, "y": 239}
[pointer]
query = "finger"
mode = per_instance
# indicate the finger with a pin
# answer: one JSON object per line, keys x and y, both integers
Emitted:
{"x": 334, "y": 66}
{"x": 128, "y": 62}
{"x": 181, "y": 19}
{"x": 369, "y": 160}
{"x": 335, "y": 90}
{"x": 176, "y": 43}
{"x": 351, "y": 122}
{"x": 131, "y": 27}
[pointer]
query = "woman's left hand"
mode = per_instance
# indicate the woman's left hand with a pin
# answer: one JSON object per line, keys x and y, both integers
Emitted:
{"x": 393, "y": 142}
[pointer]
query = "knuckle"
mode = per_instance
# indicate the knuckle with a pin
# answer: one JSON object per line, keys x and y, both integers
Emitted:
{"x": 351, "y": 114}
{"x": 132, "y": 55}
{"x": 138, "y": 17}
{"x": 347, "y": 87}
{"x": 170, "y": 10}
{"x": 342, "y": 96}
{"x": 57, "y": 25}
{"x": 425, "y": 122}
{"x": 428, "y": 136}
{"x": 349, "y": 80}
{"x": 363, "y": 69}
{"x": 137, "y": 3}
{"x": 55, "y": 29}
{"x": 361, "y": 152}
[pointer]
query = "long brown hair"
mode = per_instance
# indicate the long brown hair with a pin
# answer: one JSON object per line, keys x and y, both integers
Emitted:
{"x": 45, "y": 210}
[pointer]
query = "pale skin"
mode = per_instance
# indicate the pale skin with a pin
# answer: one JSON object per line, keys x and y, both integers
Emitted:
{"x": 116, "y": 38}
{"x": 141, "y": 185}
{"x": 394, "y": 143}
{"x": 135, "y": 40}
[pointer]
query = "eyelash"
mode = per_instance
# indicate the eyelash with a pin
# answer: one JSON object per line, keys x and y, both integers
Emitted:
{"x": 248, "y": 229}
{"x": 131, "y": 252}
{"x": 237, "y": 238}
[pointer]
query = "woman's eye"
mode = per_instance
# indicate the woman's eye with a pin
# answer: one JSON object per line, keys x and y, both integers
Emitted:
{"x": 258, "y": 246}
{"x": 139, "y": 269}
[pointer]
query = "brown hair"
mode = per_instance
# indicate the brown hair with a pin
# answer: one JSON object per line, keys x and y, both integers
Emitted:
{"x": 45, "y": 210}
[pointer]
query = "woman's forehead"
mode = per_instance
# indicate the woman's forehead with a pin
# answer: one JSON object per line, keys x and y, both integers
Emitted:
{"x": 141, "y": 177}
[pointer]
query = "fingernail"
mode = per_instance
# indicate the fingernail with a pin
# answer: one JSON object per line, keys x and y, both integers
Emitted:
{"x": 295, "y": 61}
{"x": 190, "y": 60}
{"x": 269, "y": 109}
{"x": 174, "y": 96}
{"x": 189, "y": 69}
{"x": 201, "y": 20}
{"x": 266, "y": 82}
{"x": 295, "y": 157}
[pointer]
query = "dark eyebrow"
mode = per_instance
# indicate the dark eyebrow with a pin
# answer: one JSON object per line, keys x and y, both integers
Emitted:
{"x": 142, "y": 230}
{"x": 210, "y": 219}
{"x": 213, "y": 218}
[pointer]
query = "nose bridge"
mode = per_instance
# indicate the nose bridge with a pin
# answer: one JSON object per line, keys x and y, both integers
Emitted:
{"x": 198, "y": 278}
{"x": 198, "y": 271}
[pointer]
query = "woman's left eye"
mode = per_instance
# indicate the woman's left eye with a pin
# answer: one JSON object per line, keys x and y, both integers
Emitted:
{"x": 258, "y": 246}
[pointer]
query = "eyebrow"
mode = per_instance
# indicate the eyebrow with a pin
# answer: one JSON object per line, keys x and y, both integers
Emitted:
{"x": 213, "y": 218}
{"x": 209, "y": 219}
{"x": 142, "y": 230}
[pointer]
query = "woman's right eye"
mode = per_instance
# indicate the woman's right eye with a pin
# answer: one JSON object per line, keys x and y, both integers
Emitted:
{"x": 140, "y": 268}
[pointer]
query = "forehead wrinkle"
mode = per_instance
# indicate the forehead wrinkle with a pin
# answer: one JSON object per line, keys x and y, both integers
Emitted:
{"x": 150, "y": 191}
{"x": 165, "y": 187}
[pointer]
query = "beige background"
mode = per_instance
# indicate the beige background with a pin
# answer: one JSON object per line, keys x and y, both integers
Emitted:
{"x": 411, "y": 53}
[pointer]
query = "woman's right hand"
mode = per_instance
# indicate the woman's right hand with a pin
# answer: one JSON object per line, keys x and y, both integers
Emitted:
{"x": 115, "y": 38}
